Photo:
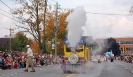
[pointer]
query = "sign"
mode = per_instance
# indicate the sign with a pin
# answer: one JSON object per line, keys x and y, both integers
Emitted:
{"x": 53, "y": 46}
{"x": 49, "y": 42}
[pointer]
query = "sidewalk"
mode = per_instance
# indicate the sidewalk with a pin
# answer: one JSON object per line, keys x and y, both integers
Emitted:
{"x": 127, "y": 66}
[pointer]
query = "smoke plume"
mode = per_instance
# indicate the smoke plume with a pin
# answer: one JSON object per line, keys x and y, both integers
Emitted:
{"x": 76, "y": 20}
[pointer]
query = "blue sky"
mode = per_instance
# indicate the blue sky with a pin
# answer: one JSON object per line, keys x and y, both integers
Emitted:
{"x": 98, "y": 26}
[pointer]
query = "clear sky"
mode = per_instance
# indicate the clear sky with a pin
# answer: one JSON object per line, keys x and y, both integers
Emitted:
{"x": 97, "y": 25}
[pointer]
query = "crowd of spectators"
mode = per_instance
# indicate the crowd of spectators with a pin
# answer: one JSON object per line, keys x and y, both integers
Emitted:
{"x": 15, "y": 60}
{"x": 128, "y": 59}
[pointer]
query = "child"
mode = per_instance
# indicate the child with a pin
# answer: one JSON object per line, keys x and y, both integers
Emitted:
{"x": 15, "y": 64}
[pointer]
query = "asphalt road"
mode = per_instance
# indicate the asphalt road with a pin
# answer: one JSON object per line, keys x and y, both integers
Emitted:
{"x": 104, "y": 69}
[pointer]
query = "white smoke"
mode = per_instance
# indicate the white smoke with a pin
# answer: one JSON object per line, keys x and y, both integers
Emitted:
{"x": 76, "y": 20}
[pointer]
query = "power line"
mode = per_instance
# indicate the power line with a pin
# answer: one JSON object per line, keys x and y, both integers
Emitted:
{"x": 4, "y": 11}
{"x": 11, "y": 18}
{"x": 50, "y": 3}
{"x": 106, "y": 13}
{"x": 7, "y": 16}
{"x": 8, "y": 13}
{"x": 6, "y": 5}
{"x": 54, "y": 1}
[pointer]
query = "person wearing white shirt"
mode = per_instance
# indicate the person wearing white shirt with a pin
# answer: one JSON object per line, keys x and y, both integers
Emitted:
{"x": 29, "y": 59}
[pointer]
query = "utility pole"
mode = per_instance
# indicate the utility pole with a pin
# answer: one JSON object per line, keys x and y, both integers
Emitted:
{"x": 56, "y": 24}
{"x": 45, "y": 9}
{"x": 37, "y": 24}
{"x": 10, "y": 35}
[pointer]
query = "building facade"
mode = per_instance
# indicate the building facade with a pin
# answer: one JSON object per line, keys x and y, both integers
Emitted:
{"x": 5, "y": 42}
{"x": 126, "y": 45}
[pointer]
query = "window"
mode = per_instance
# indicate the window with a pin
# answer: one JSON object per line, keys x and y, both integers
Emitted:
{"x": 128, "y": 42}
{"x": 79, "y": 48}
{"x": 131, "y": 49}
{"x": 122, "y": 42}
{"x": 118, "y": 42}
{"x": 125, "y": 42}
{"x": 128, "y": 49}
{"x": 68, "y": 49}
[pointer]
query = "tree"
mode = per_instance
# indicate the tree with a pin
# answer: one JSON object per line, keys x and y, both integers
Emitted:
{"x": 34, "y": 46}
{"x": 30, "y": 14}
{"x": 61, "y": 30}
{"x": 111, "y": 44}
{"x": 19, "y": 42}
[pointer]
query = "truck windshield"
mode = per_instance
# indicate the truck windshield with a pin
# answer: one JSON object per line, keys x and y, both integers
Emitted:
{"x": 79, "y": 48}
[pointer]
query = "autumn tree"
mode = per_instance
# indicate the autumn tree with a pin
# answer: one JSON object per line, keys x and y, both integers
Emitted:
{"x": 31, "y": 15}
{"x": 39, "y": 22}
{"x": 34, "y": 46}
{"x": 62, "y": 32}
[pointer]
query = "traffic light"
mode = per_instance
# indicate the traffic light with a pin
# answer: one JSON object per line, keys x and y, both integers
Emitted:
{"x": 124, "y": 48}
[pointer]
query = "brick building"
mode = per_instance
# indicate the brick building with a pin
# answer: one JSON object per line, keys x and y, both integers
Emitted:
{"x": 126, "y": 45}
{"x": 5, "y": 42}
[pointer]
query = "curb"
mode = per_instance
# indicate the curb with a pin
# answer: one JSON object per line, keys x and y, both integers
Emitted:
{"x": 125, "y": 68}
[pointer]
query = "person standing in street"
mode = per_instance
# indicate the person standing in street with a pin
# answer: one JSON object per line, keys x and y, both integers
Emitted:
{"x": 29, "y": 60}
{"x": 51, "y": 58}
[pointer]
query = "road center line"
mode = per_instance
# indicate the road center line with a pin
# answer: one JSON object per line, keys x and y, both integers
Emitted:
{"x": 70, "y": 75}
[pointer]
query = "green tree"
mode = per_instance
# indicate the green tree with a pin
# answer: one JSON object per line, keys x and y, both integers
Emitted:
{"x": 19, "y": 42}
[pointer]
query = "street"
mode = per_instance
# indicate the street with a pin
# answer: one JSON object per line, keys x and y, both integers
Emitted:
{"x": 104, "y": 69}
